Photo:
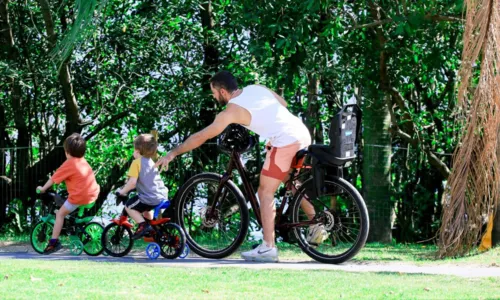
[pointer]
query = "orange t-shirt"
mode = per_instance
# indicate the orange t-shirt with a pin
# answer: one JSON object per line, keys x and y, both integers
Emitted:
{"x": 80, "y": 181}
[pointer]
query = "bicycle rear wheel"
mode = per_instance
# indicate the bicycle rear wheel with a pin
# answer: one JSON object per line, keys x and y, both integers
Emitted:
{"x": 215, "y": 235}
{"x": 334, "y": 225}
{"x": 91, "y": 239}
{"x": 171, "y": 239}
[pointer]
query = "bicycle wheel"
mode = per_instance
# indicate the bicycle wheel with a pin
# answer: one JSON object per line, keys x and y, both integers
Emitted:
{"x": 217, "y": 235}
{"x": 117, "y": 240}
{"x": 40, "y": 236}
{"x": 91, "y": 239}
{"x": 172, "y": 240}
{"x": 335, "y": 224}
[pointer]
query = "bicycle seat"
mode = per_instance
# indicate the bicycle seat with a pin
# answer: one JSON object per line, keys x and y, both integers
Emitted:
{"x": 298, "y": 161}
{"x": 325, "y": 156}
{"x": 163, "y": 205}
{"x": 300, "y": 154}
{"x": 50, "y": 197}
{"x": 82, "y": 208}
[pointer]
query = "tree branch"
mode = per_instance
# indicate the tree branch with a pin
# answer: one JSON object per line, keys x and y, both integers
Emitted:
{"x": 428, "y": 17}
{"x": 107, "y": 123}
{"x": 437, "y": 163}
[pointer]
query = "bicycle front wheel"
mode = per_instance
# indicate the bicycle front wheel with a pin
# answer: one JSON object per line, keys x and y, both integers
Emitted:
{"x": 40, "y": 236}
{"x": 117, "y": 240}
{"x": 212, "y": 232}
{"x": 333, "y": 227}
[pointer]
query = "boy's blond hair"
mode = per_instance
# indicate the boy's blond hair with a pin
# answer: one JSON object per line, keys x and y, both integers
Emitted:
{"x": 146, "y": 144}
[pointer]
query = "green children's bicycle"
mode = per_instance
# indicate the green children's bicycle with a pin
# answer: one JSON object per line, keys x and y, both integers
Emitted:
{"x": 83, "y": 235}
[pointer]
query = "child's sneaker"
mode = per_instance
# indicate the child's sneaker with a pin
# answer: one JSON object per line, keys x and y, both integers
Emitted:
{"x": 53, "y": 246}
{"x": 261, "y": 253}
{"x": 144, "y": 229}
{"x": 317, "y": 234}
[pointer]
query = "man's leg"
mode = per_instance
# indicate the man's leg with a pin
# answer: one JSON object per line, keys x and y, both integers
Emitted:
{"x": 274, "y": 171}
{"x": 267, "y": 189}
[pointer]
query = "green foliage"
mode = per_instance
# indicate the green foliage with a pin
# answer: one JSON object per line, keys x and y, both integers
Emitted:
{"x": 145, "y": 65}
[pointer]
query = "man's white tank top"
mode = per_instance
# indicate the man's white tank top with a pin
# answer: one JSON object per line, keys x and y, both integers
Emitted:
{"x": 270, "y": 119}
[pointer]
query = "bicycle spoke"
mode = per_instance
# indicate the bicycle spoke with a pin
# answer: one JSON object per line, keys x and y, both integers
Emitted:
{"x": 337, "y": 222}
{"x": 211, "y": 228}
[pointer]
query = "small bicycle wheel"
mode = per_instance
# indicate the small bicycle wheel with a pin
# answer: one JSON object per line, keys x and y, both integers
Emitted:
{"x": 184, "y": 253}
{"x": 153, "y": 250}
{"x": 40, "y": 236}
{"x": 332, "y": 227}
{"x": 212, "y": 232}
{"x": 171, "y": 239}
{"x": 117, "y": 240}
{"x": 91, "y": 239}
{"x": 75, "y": 247}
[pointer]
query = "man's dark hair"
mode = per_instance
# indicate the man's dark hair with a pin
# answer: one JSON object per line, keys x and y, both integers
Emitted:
{"x": 75, "y": 145}
{"x": 224, "y": 80}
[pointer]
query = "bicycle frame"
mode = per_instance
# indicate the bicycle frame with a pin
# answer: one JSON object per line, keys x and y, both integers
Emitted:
{"x": 236, "y": 163}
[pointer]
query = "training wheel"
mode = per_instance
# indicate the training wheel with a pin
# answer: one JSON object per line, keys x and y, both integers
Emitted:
{"x": 153, "y": 250}
{"x": 75, "y": 247}
{"x": 185, "y": 252}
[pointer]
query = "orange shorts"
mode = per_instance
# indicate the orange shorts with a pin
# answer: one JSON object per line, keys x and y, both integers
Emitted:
{"x": 279, "y": 160}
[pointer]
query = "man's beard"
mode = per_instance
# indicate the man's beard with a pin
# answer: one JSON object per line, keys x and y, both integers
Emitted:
{"x": 222, "y": 101}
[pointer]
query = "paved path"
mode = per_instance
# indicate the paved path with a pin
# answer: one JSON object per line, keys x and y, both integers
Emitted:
{"x": 352, "y": 266}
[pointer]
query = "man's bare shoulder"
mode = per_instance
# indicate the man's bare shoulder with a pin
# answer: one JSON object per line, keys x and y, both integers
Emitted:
{"x": 238, "y": 114}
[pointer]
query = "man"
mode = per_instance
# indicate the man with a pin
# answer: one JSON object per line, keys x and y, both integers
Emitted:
{"x": 264, "y": 112}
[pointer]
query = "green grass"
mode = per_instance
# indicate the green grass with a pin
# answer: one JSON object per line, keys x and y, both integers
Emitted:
{"x": 14, "y": 238}
{"x": 25, "y": 279}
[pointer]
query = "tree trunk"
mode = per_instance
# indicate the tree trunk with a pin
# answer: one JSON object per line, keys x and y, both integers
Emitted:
{"x": 210, "y": 64}
{"x": 495, "y": 234}
{"x": 313, "y": 122}
{"x": 376, "y": 168}
{"x": 73, "y": 121}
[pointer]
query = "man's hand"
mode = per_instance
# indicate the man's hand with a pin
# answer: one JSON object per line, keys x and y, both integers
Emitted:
{"x": 40, "y": 189}
{"x": 164, "y": 161}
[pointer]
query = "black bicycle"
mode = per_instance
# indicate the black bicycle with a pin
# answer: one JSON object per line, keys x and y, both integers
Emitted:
{"x": 214, "y": 214}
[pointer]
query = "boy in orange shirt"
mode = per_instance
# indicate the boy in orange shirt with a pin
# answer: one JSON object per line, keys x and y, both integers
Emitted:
{"x": 80, "y": 182}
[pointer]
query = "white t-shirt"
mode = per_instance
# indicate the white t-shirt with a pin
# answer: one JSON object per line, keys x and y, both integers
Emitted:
{"x": 270, "y": 119}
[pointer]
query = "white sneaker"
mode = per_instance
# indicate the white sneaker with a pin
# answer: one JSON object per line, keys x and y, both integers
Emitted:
{"x": 261, "y": 253}
{"x": 317, "y": 234}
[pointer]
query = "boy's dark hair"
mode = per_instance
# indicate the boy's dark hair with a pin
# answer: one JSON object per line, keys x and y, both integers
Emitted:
{"x": 146, "y": 144}
{"x": 224, "y": 80}
{"x": 75, "y": 145}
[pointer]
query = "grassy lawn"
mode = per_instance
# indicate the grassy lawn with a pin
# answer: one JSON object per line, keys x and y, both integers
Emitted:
{"x": 25, "y": 279}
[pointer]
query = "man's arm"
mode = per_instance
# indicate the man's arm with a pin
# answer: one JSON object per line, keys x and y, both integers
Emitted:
{"x": 222, "y": 120}
{"x": 278, "y": 97}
